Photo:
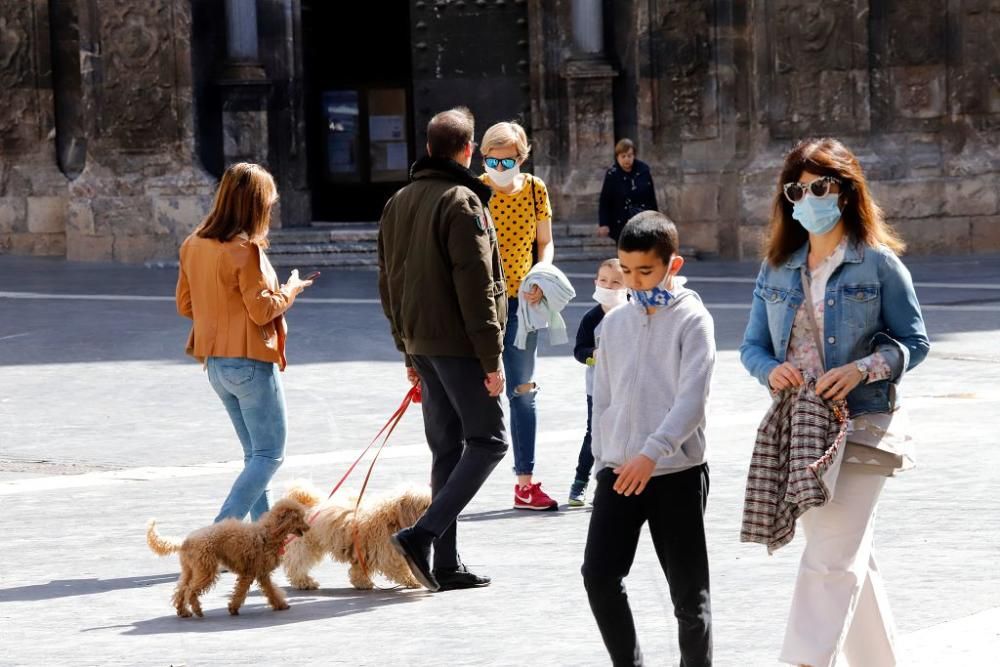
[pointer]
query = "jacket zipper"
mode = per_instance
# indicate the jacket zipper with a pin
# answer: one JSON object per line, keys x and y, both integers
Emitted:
{"x": 635, "y": 378}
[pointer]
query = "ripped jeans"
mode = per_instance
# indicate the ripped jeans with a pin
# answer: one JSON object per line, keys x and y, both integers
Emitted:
{"x": 519, "y": 369}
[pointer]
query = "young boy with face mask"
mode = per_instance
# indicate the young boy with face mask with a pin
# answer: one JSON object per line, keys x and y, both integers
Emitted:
{"x": 651, "y": 385}
{"x": 609, "y": 292}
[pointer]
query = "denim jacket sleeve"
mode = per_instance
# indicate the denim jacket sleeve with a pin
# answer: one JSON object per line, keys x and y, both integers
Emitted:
{"x": 757, "y": 351}
{"x": 903, "y": 342}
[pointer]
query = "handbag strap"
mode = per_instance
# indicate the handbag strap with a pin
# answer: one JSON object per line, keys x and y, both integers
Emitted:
{"x": 810, "y": 312}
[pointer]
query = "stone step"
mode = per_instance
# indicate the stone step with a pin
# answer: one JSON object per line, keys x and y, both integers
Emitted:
{"x": 324, "y": 234}
{"x": 345, "y": 260}
{"x": 291, "y": 247}
{"x": 354, "y": 245}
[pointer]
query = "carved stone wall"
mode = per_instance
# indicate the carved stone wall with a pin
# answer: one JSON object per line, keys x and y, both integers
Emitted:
{"x": 723, "y": 89}
{"x": 33, "y": 194}
{"x": 142, "y": 191}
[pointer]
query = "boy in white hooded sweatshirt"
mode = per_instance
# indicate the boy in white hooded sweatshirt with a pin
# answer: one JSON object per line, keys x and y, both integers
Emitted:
{"x": 650, "y": 393}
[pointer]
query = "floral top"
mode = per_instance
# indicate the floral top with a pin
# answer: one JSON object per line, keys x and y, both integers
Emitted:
{"x": 802, "y": 350}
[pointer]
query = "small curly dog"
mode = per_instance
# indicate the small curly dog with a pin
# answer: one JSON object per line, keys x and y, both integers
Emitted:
{"x": 333, "y": 530}
{"x": 250, "y": 550}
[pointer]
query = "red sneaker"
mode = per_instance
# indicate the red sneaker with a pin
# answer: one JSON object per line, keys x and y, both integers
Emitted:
{"x": 531, "y": 497}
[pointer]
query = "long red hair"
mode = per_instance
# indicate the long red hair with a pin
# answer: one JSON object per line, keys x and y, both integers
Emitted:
{"x": 863, "y": 219}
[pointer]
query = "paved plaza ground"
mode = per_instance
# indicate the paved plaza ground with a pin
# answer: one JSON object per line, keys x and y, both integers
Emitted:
{"x": 104, "y": 423}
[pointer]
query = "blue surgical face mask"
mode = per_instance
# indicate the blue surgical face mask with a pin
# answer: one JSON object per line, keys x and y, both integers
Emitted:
{"x": 817, "y": 215}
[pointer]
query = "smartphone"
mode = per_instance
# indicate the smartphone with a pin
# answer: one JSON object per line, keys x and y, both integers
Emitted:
{"x": 312, "y": 276}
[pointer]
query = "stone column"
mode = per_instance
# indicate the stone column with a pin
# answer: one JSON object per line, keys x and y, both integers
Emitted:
{"x": 33, "y": 194}
{"x": 588, "y": 28}
{"x": 142, "y": 190}
{"x": 242, "y": 52}
{"x": 244, "y": 88}
{"x": 590, "y": 126}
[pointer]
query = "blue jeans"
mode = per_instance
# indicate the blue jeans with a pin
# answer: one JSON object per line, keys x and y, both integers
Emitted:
{"x": 252, "y": 393}
{"x": 519, "y": 368}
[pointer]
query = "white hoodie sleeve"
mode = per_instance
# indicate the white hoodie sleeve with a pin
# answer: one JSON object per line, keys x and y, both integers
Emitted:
{"x": 688, "y": 410}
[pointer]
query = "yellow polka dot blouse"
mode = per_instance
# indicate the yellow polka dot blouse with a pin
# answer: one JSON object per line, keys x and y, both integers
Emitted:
{"x": 516, "y": 216}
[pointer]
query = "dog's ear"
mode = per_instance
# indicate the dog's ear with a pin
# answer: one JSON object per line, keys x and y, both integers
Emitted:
{"x": 410, "y": 507}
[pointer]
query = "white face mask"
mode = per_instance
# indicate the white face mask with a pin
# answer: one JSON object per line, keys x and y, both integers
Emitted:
{"x": 610, "y": 298}
{"x": 505, "y": 177}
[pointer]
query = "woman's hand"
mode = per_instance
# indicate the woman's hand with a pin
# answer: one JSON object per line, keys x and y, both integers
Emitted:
{"x": 785, "y": 376}
{"x": 412, "y": 377}
{"x": 535, "y": 296}
{"x": 837, "y": 383}
{"x": 296, "y": 284}
{"x": 603, "y": 231}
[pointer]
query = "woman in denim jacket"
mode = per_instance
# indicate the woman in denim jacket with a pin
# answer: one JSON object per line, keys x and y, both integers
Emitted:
{"x": 829, "y": 241}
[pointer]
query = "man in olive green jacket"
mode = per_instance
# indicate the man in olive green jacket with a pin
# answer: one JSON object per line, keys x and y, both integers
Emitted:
{"x": 443, "y": 292}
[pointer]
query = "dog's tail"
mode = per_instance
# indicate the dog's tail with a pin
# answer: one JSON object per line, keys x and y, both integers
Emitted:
{"x": 305, "y": 493}
{"x": 160, "y": 545}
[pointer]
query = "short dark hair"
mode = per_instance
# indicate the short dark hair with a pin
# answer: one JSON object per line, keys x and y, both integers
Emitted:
{"x": 650, "y": 230}
{"x": 450, "y": 131}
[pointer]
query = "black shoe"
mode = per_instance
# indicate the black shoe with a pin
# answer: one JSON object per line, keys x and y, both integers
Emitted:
{"x": 459, "y": 577}
{"x": 414, "y": 545}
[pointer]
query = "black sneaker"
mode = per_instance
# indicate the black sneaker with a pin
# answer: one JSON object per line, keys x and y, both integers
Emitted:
{"x": 459, "y": 577}
{"x": 414, "y": 545}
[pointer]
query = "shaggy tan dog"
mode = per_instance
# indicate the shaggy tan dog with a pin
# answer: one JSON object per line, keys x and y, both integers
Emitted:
{"x": 250, "y": 550}
{"x": 333, "y": 531}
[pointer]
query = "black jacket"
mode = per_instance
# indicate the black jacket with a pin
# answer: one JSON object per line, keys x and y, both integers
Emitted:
{"x": 440, "y": 277}
{"x": 586, "y": 342}
{"x": 625, "y": 194}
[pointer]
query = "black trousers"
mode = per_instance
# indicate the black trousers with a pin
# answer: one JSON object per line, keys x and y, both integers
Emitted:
{"x": 467, "y": 437}
{"x": 674, "y": 506}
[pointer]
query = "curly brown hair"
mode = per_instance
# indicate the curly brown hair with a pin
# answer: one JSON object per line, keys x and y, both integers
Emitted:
{"x": 863, "y": 219}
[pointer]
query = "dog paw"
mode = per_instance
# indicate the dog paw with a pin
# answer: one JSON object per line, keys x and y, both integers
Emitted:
{"x": 234, "y": 611}
{"x": 307, "y": 584}
{"x": 281, "y": 607}
{"x": 184, "y": 614}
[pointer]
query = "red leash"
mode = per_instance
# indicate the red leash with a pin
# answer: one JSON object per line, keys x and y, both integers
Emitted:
{"x": 412, "y": 396}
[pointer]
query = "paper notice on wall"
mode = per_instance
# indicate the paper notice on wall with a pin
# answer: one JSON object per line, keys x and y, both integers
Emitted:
{"x": 386, "y": 128}
{"x": 396, "y": 157}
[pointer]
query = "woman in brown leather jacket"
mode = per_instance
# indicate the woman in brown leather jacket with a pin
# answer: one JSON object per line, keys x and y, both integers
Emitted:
{"x": 228, "y": 287}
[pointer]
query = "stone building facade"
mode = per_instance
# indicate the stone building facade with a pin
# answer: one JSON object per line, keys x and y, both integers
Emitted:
{"x": 119, "y": 116}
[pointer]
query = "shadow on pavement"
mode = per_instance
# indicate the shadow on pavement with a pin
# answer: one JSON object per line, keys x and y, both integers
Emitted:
{"x": 493, "y": 515}
{"x": 65, "y": 588}
{"x": 305, "y": 606}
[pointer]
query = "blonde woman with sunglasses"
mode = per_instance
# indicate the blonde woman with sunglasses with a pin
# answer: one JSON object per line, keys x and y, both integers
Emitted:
{"x": 830, "y": 251}
{"x": 522, "y": 214}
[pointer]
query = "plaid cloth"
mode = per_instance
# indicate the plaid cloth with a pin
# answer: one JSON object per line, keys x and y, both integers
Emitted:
{"x": 796, "y": 443}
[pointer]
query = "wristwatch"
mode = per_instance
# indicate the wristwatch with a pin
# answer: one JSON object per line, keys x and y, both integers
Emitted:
{"x": 862, "y": 367}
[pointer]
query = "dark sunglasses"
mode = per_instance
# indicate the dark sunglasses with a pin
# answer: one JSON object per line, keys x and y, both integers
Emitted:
{"x": 794, "y": 192}
{"x": 507, "y": 162}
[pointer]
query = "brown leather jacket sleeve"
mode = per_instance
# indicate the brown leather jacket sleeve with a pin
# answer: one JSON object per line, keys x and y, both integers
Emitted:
{"x": 264, "y": 301}
{"x": 183, "y": 295}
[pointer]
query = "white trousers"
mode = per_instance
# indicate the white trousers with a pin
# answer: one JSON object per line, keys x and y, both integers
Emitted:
{"x": 840, "y": 604}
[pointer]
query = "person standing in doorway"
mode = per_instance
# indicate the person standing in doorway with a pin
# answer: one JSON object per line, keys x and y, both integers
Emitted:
{"x": 442, "y": 290}
{"x": 523, "y": 216}
{"x": 627, "y": 191}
